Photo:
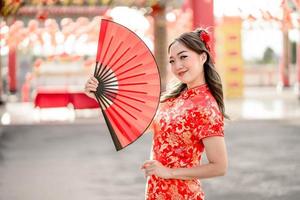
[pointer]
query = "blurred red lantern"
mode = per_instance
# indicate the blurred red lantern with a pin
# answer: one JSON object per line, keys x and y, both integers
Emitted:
{"x": 14, "y": 33}
{"x": 65, "y": 22}
{"x": 22, "y": 34}
{"x": 33, "y": 25}
{"x": 15, "y": 27}
{"x": 82, "y": 21}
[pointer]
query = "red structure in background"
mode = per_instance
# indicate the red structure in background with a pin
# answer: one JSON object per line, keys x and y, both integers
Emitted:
{"x": 298, "y": 67}
{"x": 297, "y": 3}
{"x": 203, "y": 16}
{"x": 12, "y": 59}
{"x": 284, "y": 61}
{"x": 203, "y": 13}
{"x": 49, "y": 98}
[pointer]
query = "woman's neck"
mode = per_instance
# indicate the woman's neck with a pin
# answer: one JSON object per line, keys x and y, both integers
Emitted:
{"x": 196, "y": 83}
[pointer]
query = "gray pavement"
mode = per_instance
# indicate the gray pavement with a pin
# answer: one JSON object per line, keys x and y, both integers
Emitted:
{"x": 59, "y": 154}
{"x": 78, "y": 161}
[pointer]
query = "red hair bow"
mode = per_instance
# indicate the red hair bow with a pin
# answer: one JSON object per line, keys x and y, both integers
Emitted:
{"x": 205, "y": 38}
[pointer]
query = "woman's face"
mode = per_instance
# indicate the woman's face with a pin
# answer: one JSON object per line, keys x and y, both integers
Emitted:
{"x": 187, "y": 65}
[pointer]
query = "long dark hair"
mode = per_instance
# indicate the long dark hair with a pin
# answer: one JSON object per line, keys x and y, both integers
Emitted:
{"x": 193, "y": 42}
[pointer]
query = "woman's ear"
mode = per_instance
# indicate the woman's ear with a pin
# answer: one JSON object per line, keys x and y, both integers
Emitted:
{"x": 203, "y": 57}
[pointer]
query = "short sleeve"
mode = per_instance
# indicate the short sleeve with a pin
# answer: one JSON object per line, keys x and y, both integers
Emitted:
{"x": 209, "y": 123}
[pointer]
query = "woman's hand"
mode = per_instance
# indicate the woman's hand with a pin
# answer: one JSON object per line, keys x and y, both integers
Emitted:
{"x": 154, "y": 167}
{"x": 91, "y": 86}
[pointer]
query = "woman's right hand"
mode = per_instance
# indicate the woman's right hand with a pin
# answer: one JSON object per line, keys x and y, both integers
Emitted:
{"x": 91, "y": 87}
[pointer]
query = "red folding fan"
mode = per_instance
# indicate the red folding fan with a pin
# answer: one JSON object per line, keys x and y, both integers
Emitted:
{"x": 129, "y": 83}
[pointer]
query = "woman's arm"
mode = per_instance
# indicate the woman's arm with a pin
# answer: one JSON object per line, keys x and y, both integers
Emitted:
{"x": 217, "y": 163}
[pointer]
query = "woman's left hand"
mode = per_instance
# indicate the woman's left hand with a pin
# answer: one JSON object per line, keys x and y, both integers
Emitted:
{"x": 154, "y": 167}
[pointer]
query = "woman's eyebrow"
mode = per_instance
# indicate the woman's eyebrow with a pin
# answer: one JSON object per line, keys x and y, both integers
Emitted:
{"x": 179, "y": 53}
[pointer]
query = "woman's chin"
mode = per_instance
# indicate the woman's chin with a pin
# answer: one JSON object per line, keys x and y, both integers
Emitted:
{"x": 183, "y": 80}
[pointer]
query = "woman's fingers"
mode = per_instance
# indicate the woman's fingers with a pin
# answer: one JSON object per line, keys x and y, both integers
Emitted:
{"x": 151, "y": 167}
{"x": 91, "y": 86}
{"x": 149, "y": 161}
{"x": 149, "y": 172}
{"x": 90, "y": 89}
{"x": 147, "y": 164}
{"x": 94, "y": 80}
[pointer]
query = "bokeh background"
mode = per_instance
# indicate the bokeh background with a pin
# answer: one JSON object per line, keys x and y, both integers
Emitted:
{"x": 55, "y": 148}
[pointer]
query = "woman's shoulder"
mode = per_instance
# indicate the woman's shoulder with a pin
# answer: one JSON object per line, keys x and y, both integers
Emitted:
{"x": 167, "y": 102}
{"x": 205, "y": 104}
{"x": 203, "y": 98}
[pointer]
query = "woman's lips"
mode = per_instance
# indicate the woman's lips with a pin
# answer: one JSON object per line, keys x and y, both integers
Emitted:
{"x": 181, "y": 73}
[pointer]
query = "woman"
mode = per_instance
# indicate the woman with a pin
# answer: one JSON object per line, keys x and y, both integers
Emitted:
{"x": 189, "y": 120}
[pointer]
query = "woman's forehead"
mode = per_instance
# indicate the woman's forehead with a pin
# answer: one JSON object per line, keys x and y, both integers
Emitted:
{"x": 176, "y": 48}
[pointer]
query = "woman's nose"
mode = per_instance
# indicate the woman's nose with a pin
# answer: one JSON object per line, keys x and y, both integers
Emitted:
{"x": 178, "y": 66}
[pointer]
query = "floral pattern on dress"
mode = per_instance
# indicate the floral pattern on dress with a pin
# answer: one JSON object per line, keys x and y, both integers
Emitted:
{"x": 179, "y": 127}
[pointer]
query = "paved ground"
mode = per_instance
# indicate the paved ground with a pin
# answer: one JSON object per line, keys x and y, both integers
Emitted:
{"x": 77, "y": 161}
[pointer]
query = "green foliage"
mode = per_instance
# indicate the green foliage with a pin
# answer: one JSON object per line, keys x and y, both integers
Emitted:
{"x": 293, "y": 53}
{"x": 269, "y": 56}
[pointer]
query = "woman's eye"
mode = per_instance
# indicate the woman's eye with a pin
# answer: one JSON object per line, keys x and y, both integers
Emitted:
{"x": 171, "y": 61}
{"x": 183, "y": 57}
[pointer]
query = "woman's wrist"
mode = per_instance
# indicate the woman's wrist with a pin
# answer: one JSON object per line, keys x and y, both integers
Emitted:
{"x": 172, "y": 173}
{"x": 176, "y": 173}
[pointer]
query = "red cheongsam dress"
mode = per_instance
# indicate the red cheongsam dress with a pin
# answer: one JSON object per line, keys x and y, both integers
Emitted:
{"x": 179, "y": 127}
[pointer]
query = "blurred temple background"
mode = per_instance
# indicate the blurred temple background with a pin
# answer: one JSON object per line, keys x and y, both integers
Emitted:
{"x": 54, "y": 143}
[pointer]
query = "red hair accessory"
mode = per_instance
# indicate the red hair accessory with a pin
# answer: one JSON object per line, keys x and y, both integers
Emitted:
{"x": 205, "y": 38}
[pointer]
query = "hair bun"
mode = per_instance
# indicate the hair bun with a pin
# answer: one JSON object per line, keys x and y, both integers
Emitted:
{"x": 203, "y": 36}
